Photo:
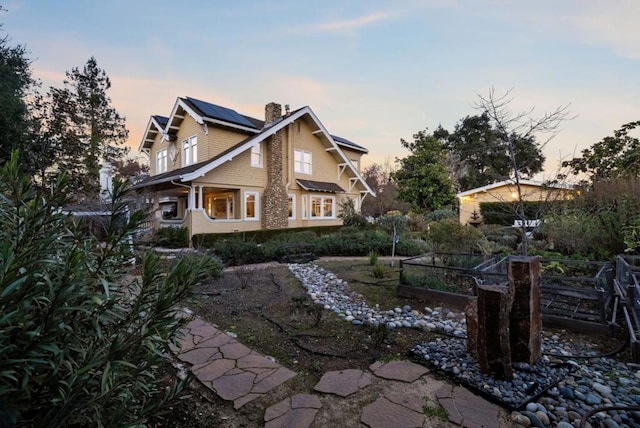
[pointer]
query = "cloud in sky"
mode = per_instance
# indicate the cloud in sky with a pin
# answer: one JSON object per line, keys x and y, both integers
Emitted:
{"x": 374, "y": 71}
{"x": 353, "y": 24}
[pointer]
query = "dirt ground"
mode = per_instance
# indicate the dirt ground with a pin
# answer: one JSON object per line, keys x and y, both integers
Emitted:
{"x": 269, "y": 311}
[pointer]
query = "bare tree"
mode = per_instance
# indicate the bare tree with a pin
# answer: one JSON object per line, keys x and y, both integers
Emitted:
{"x": 523, "y": 125}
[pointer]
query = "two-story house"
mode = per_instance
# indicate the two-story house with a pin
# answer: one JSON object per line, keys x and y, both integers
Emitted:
{"x": 214, "y": 170}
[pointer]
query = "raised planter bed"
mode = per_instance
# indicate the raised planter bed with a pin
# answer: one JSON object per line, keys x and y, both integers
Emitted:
{"x": 575, "y": 294}
{"x": 627, "y": 285}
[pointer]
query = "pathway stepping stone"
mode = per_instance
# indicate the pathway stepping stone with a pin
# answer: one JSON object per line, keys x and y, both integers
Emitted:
{"x": 227, "y": 367}
{"x": 343, "y": 382}
{"x": 467, "y": 409}
{"x": 394, "y": 410}
{"x": 405, "y": 371}
{"x": 298, "y": 411}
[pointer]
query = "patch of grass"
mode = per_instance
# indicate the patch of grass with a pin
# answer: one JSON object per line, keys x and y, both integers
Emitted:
{"x": 377, "y": 271}
{"x": 436, "y": 411}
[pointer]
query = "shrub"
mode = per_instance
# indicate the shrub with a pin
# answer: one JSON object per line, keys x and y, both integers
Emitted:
{"x": 411, "y": 247}
{"x": 373, "y": 258}
{"x": 449, "y": 236}
{"x": 171, "y": 237}
{"x": 80, "y": 345}
{"x": 234, "y": 252}
{"x": 349, "y": 216}
{"x": 443, "y": 214}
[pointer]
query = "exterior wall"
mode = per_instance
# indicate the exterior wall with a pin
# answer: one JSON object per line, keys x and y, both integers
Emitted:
{"x": 353, "y": 155}
{"x": 157, "y": 145}
{"x": 507, "y": 194}
{"x": 219, "y": 140}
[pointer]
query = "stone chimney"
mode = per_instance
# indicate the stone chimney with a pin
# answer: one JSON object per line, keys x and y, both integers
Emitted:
{"x": 275, "y": 211}
{"x": 272, "y": 112}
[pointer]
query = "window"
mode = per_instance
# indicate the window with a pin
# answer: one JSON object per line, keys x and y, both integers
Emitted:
{"x": 161, "y": 161}
{"x": 190, "y": 151}
{"x": 220, "y": 206}
{"x": 292, "y": 207}
{"x": 256, "y": 155}
{"x": 251, "y": 206}
{"x": 323, "y": 206}
{"x": 305, "y": 206}
{"x": 302, "y": 161}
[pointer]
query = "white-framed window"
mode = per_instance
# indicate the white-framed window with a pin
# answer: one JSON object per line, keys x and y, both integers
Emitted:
{"x": 292, "y": 207}
{"x": 302, "y": 161}
{"x": 256, "y": 155}
{"x": 305, "y": 207}
{"x": 323, "y": 207}
{"x": 161, "y": 161}
{"x": 251, "y": 206}
{"x": 190, "y": 151}
{"x": 220, "y": 206}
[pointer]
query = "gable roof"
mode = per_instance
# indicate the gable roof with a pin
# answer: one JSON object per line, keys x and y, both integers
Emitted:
{"x": 155, "y": 125}
{"x": 512, "y": 182}
{"x": 192, "y": 172}
{"x": 204, "y": 112}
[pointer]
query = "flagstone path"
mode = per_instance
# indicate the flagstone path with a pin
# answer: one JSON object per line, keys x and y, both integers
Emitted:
{"x": 238, "y": 374}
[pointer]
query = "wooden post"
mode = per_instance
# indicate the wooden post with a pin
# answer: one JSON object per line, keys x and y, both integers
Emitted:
{"x": 493, "y": 347}
{"x": 525, "y": 320}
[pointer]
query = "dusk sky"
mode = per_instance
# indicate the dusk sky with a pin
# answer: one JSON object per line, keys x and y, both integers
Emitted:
{"x": 373, "y": 71}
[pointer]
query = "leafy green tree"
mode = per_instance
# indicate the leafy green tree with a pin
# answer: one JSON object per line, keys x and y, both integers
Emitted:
{"x": 84, "y": 127}
{"x": 81, "y": 339}
{"x": 422, "y": 178}
{"x": 612, "y": 157}
{"x": 479, "y": 152}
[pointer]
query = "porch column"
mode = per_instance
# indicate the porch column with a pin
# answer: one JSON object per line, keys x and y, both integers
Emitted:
{"x": 192, "y": 198}
{"x": 200, "y": 197}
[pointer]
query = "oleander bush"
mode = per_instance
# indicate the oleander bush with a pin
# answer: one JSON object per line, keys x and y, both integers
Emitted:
{"x": 82, "y": 334}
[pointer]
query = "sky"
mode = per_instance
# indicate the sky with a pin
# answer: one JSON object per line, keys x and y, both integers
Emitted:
{"x": 373, "y": 71}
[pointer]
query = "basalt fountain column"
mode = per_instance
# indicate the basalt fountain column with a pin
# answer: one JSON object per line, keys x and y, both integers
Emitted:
{"x": 504, "y": 323}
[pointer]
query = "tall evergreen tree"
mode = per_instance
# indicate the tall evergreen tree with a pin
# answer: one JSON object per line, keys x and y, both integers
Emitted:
{"x": 18, "y": 95}
{"x": 84, "y": 127}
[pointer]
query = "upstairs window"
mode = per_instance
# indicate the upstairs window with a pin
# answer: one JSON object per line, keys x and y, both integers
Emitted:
{"x": 190, "y": 151}
{"x": 302, "y": 161}
{"x": 256, "y": 155}
{"x": 161, "y": 161}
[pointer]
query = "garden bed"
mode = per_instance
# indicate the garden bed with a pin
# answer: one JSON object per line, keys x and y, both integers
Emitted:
{"x": 575, "y": 293}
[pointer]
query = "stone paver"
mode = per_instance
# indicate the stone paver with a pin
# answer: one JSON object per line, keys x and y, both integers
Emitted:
{"x": 239, "y": 374}
{"x": 467, "y": 409}
{"x": 388, "y": 413}
{"x": 298, "y": 411}
{"x": 230, "y": 369}
{"x": 406, "y": 371}
{"x": 343, "y": 382}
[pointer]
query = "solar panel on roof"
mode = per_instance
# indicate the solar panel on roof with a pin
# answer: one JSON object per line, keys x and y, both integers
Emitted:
{"x": 221, "y": 113}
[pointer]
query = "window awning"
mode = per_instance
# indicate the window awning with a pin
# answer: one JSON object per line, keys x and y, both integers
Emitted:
{"x": 319, "y": 186}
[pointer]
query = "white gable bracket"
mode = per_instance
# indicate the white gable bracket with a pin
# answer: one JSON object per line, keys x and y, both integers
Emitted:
{"x": 205, "y": 128}
{"x": 341, "y": 168}
{"x": 352, "y": 183}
